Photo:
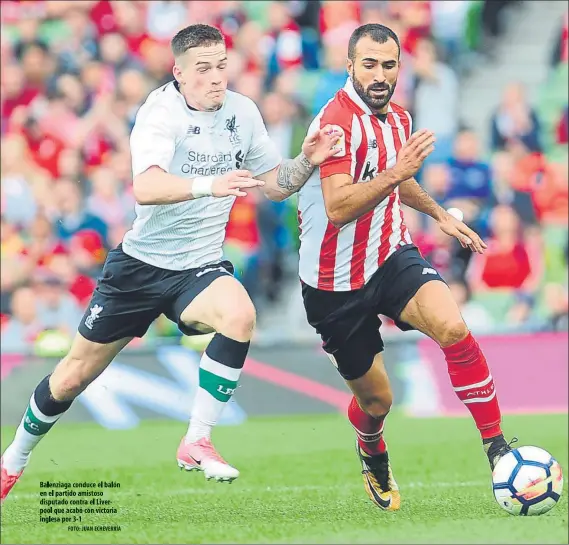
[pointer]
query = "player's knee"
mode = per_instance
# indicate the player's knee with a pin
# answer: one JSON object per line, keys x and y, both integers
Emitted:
{"x": 69, "y": 378}
{"x": 238, "y": 322}
{"x": 452, "y": 333}
{"x": 377, "y": 406}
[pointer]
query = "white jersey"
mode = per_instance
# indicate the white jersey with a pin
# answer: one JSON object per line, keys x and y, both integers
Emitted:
{"x": 190, "y": 143}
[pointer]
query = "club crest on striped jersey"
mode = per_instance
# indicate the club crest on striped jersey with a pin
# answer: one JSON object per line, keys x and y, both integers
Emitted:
{"x": 341, "y": 145}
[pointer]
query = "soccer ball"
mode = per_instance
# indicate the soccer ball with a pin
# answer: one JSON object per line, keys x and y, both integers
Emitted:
{"x": 527, "y": 481}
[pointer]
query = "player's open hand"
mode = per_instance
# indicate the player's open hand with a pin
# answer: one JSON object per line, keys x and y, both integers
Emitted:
{"x": 465, "y": 235}
{"x": 412, "y": 154}
{"x": 322, "y": 144}
{"x": 234, "y": 183}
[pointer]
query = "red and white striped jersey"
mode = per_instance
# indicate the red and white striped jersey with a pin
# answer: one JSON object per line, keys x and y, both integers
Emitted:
{"x": 344, "y": 259}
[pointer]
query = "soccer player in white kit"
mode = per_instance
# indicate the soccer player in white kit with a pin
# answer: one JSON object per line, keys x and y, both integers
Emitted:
{"x": 195, "y": 147}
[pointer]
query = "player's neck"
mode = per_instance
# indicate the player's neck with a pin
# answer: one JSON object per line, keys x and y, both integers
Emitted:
{"x": 381, "y": 111}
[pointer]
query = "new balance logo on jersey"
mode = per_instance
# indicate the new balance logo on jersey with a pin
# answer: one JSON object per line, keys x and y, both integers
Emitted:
{"x": 192, "y": 129}
{"x": 428, "y": 270}
{"x": 95, "y": 311}
{"x": 211, "y": 269}
{"x": 369, "y": 173}
{"x": 372, "y": 144}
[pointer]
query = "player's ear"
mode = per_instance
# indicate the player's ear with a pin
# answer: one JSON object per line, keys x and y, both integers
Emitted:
{"x": 349, "y": 66}
{"x": 177, "y": 73}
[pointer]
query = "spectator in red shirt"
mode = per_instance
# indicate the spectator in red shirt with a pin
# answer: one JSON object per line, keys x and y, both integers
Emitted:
{"x": 335, "y": 15}
{"x": 131, "y": 24}
{"x": 88, "y": 251}
{"x": 546, "y": 183}
{"x": 42, "y": 244}
{"x": 416, "y": 19}
{"x": 15, "y": 90}
{"x": 512, "y": 261}
{"x": 45, "y": 148}
{"x": 550, "y": 194}
{"x": 78, "y": 284}
{"x": 103, "y": 16}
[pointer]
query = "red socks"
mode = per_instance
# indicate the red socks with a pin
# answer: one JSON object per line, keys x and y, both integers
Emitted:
{"x": 473, "y": 384}
{"x": 369, "y": 430}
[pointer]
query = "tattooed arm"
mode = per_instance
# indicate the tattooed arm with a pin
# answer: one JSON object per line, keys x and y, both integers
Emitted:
{"x": 414, "y": 196}
{"x": 292, "y": 174}
{"x": 287, "y": 178}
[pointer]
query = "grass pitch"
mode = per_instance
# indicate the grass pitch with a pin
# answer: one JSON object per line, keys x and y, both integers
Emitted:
{"x": 300, "y": 483}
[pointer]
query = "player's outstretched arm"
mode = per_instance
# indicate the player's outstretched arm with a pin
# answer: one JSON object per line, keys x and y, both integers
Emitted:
{"x": 287, "y": 178}
{"x": 413, "y": 195}
{"x": 346, "y": 201}
{"x": 155, "y": 186}
{"x": 292, "y": 174}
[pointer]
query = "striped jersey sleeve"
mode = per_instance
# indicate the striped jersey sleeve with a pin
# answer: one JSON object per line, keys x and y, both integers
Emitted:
{"x": 339, "y": 116}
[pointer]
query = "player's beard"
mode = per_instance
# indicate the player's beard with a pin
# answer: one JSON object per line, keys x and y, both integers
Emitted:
{"x": 374, "y": 103}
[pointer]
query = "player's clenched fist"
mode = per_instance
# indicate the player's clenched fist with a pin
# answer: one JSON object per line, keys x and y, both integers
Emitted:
{"x": 413, "y": 153}
{"x": 229, "y": 184}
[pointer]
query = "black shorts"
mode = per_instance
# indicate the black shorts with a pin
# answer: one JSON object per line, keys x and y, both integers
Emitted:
{"x": 348, "y": 321}
{"x": 131, "y": 294}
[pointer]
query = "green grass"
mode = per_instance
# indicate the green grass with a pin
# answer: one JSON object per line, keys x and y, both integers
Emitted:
{"x": 299, "y": 483}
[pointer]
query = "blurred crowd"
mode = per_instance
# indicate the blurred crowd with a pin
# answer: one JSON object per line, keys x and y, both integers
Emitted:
{"x": 75, "y": 73}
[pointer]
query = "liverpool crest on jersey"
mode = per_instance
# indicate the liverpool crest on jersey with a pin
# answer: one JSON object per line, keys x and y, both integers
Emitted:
{"x": 231, "y": 126}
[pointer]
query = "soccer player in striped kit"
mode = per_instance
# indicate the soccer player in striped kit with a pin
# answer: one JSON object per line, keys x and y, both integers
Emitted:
{"x": 357, "y": 258}
{"x": 196, "y": 147}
